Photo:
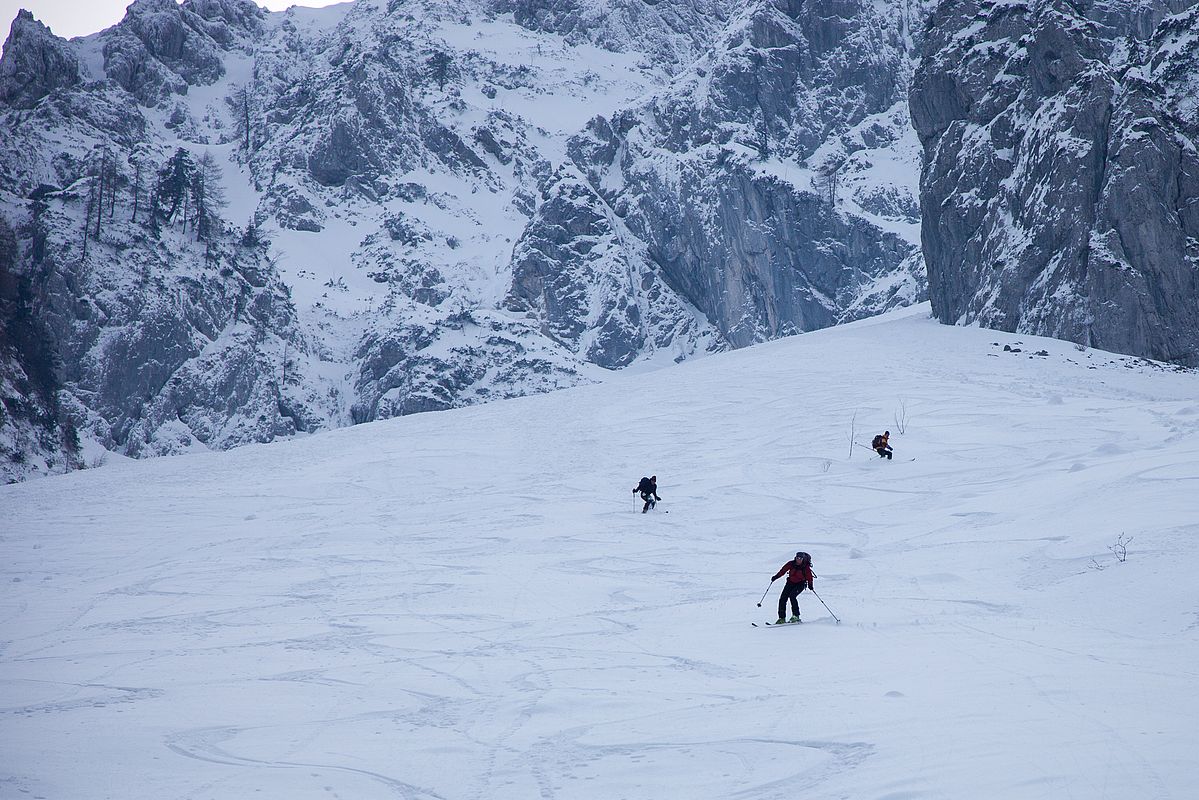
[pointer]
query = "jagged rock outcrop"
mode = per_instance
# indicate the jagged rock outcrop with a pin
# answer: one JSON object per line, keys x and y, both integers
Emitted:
{"x": 161, "y": 47}
{"x": 142, "y": 324}
{"x": 669, "y": 34}
{"x": 416, "y": 367}
{"x": 716, "y": 176}
{"x": 161, "y": 349}
{"x": 36, "y": 62}
{"x": 586, "y": 279}
{"x": 36, "y": 436}
{"x": 1061, "y": 172}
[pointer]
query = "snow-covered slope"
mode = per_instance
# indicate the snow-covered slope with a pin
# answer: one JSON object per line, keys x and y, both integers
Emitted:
{"x": 465, "y": 605}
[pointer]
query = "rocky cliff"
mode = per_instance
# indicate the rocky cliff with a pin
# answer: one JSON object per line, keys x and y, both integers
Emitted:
{"x": 1060, "y": 194}
{"x": 758, "y": 182}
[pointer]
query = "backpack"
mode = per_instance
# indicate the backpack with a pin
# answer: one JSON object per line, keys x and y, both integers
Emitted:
{"x": 878, "y": 442}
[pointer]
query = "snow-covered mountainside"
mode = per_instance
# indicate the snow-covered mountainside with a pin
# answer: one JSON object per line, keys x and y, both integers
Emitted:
{"x": 224, "y": 225}
{"x": 1061, "y": 188}
{"x": 453, "y": 606}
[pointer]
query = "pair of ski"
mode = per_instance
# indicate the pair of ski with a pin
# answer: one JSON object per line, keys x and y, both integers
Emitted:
{"x": 778, "y": 624}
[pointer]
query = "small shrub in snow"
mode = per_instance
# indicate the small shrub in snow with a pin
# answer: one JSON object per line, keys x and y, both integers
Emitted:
{"x": 1120, "y": 548}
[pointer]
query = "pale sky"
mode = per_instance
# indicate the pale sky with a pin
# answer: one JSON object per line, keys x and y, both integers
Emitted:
{"x": 70, "y": 18}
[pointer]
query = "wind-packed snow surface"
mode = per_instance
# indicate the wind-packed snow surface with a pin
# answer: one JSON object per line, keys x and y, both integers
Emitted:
{"x": 465, "y": 605}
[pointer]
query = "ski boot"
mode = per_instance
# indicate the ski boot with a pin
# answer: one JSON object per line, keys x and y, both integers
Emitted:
{"x": 795, "y": 618}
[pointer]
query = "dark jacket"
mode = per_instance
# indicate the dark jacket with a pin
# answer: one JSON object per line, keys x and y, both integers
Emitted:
{"x": 648, "y": 487}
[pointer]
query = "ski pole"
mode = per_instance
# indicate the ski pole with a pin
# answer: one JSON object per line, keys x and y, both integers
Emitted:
{"x": 767, "y": 592}
{"x": 826, "y": 608}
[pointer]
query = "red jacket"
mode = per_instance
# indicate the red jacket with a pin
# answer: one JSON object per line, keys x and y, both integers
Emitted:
{"x": 796, "y": 573}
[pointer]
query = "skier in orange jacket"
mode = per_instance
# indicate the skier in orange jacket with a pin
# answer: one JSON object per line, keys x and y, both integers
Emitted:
{"x": 882, "y": 444}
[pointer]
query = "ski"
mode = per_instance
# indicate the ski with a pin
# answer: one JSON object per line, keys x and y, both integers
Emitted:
{"x": 776, "y": 624}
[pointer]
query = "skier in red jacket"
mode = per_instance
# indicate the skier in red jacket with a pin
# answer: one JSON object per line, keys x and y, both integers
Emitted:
{"x": 799, "y": 577}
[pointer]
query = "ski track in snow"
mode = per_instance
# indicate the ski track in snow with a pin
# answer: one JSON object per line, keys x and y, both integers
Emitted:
{"x": 468, "y": 604}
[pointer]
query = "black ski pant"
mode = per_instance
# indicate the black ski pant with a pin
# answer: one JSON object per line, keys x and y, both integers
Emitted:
{"x": 649, "y": 501}
{"x": 790, "y": 592}
{"x": 884, "y": 453}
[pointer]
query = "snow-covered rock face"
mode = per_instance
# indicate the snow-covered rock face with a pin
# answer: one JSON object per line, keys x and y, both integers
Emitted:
{"x": 1061, "y": 176}
{"x": 670, "y": 34}
{"x": 590, "y": 283}
{"x": 35, "y": 63}
{"x": 748, "y": 180}
{"x": 162, "y": 48}
{"x": 167, "y": 348}
{"x": 412, "y": 205}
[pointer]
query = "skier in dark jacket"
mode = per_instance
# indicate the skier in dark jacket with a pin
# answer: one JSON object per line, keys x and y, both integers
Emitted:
{"x": 882, "y": 444}
{"x": 648, "y": 487}
{"x": 799, "y": 577}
